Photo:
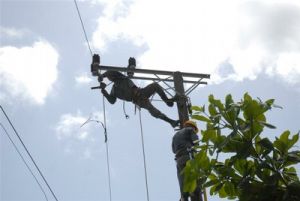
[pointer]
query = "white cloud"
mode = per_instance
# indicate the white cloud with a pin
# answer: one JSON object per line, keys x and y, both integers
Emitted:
{"x": 288, "y": 65}
{"x": 29, "y": 72}
{"x": 83, "y": 79}
{"x": 77, "y": 135}
{"x": 12, "y": 32}
{"x": 198, "y": 36}
{"x": 69, "y": 126}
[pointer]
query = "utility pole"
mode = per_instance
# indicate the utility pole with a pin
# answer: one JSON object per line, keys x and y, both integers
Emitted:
{"x": 182, "y": 99}
{"x": 177, "y": 77}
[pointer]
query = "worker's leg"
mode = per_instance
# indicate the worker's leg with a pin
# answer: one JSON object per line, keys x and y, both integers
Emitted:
{"x": 153, "y": 88}
{"x": 181, "y": 161}
{"x": 156, "y": 113}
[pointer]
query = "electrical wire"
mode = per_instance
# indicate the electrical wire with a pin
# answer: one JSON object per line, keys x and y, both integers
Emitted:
{"x": 36, "y": 166}
{"x": 107, "y": 150}
{"x": 105, "y": 129}
{"x": 24, "y": 161}
{"x": 86, "y": 38}
{"x": 144, "y": 155}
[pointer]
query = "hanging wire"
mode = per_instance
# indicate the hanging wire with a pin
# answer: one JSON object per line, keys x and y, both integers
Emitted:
{"x": 105, "y": 130}
{"x": 106, "y": 143}
{"x": 97, "y": 121}
{"x": 124, "y": 111}
{"x": 86, "y": 38}
{"x": 29, "y": 153}
{"x": 24, "y": 161}
{"x": 107, "y": 150}
{"x": 144, "y": 155}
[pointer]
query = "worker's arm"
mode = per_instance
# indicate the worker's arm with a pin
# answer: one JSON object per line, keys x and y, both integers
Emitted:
{"x": 111, "y": 98}
{"x": 194, "y": 138}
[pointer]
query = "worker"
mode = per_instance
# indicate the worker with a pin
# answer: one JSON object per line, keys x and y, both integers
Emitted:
{"x": 182, "y": 143}
{"x": 124, "y": 88}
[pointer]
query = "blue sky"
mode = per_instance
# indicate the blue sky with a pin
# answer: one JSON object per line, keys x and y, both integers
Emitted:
{"x": 246, "y": 46}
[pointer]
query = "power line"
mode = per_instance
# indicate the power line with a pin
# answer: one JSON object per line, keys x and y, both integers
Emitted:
{"x": 106, "y": 144}
{"x": 16, "y": 148}
{"x": 144, "y": 155}
{"x": 107, "y": 150}
{"x": 28, "y": 153}
{"x": 86, "y": 38}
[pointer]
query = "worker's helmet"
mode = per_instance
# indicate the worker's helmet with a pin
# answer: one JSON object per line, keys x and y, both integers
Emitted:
{"x": 191, "y": 123}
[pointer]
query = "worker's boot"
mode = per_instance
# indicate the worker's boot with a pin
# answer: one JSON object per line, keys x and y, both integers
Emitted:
{"x": 169, "y": 102}
{"x": 174, "y": 123}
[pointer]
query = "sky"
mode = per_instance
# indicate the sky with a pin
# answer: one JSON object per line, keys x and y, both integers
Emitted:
{"x": 246, "y": 46}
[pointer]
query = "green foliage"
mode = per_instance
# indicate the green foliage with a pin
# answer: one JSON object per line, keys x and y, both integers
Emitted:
{"x": 256, "y": 168}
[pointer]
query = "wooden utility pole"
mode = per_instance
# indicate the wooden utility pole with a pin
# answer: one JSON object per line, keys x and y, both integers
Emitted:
{"x": 178, "y": 78}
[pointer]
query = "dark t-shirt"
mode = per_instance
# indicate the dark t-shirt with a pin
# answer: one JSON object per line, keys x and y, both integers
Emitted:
{"x": 184, "y": 139}
{"x": 122, "y": 89}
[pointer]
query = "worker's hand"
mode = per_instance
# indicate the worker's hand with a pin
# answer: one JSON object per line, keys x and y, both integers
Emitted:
{"x": 100, "y": 78}
{"x": 102, "y": 85}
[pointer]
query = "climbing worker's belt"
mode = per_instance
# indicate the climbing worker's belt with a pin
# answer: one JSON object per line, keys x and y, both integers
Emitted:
{"x": 137, "y": 97}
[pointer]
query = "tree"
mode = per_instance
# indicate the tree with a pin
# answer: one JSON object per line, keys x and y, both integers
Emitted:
{"x": 255, "y": 168}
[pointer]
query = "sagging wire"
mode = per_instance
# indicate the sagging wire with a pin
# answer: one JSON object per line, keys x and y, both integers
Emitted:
{"x": 106, "y": 143}
{"x": 24, "y": 161}
{"x": 28, "y": 153}
{"x": 97, "y": 121}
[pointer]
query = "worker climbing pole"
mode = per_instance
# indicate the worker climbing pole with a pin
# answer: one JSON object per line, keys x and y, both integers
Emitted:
{"x": 139, "y": 96}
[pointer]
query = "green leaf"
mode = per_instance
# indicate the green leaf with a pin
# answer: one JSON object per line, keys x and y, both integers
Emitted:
{"x": 212, "y": 110}
{"x": 218, "y": 187}
{"x": 211, "y": 98}
{"x": 228, "y": 101}
{"x": 267, "y": 124}
{"x": 267, "y": 144}
{"x": 190, "y": 186}
{"x": 293, "y": 158}
{"x": 229, "y": 188}
{"x": 222, "y": 192}
{"x": 201, "y": 118}
{"x": 197, "y": 108}
{"x": 216, "y": 103}
{"x": 209, "y": 135}
{"x": 219, "y": 105}
{"x": 283, "y": 144}
{"x": 285, "y": 136}
{"x": 239, "y": 166}
{"x": 247, "y": 97}
{"x": 270, "y": 102}
{"x": 293, "y": 141}
{"x": 252, "y": 109}
{"x": 211, "y": 183}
